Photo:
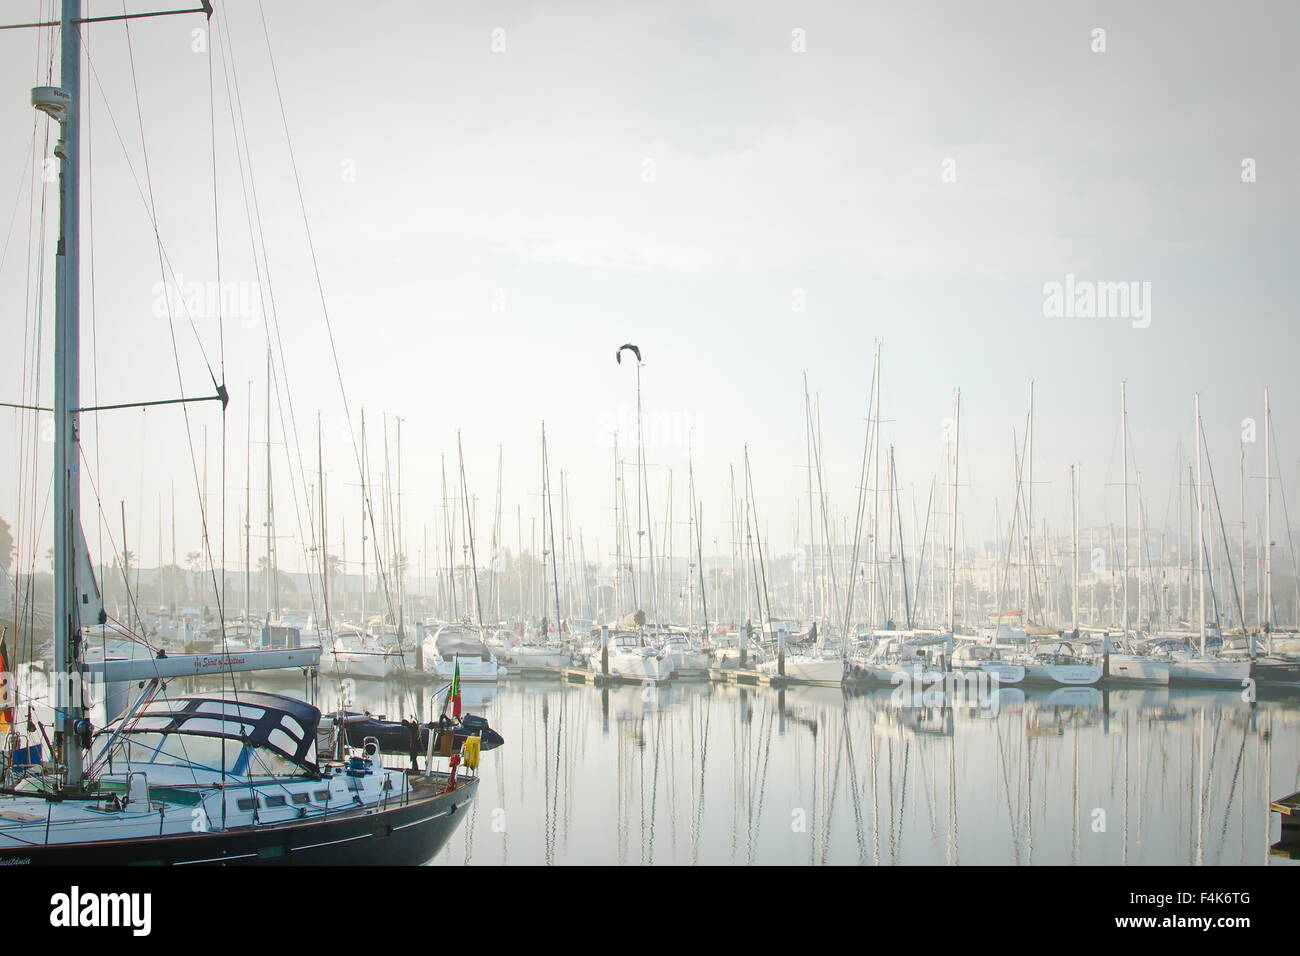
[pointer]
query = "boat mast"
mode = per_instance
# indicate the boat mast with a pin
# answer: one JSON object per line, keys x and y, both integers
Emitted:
{"x": 69, "y": 703}
{"x": 469, "y": 528}
{"x": 952, "y": 518}
{"x": 324, "y": 550}
{"x": 401, "y": 563}
{"x": 1267, "y": 620}
{"x": 548, "y": 525}
{"x": 270, "y": 516}
{"x": 1123, "y": 437}
{"x": 1074, "y": 550}
{"x": 248, "y": 513}
{"x": 1241, "y": 465}
{"x": 365, "y": 576}
{"x": 1200, "y": 534}
{"x": 811, "y": 570}
{"x": 1027, "y": 571}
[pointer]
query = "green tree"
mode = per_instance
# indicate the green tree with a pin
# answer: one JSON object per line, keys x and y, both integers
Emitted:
{"x": 6, "y": 545}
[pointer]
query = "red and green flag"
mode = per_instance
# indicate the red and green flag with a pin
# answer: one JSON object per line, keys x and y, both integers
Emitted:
{"x": 6, "y": 689}
{"x": 455, "y": 691}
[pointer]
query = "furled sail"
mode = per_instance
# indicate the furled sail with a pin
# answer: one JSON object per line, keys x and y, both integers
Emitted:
{"x": 90, "y": 603}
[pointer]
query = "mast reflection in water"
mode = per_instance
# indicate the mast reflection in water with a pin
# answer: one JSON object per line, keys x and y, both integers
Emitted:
{"x": 720, "y": 774}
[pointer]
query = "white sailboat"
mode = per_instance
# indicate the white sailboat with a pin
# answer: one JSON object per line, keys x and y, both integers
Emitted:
{"x": 632, "y": 659}
{"x": 452, "y": 646}
{"x": 1199, "y": 666}
{"x": 1122, "y": 664}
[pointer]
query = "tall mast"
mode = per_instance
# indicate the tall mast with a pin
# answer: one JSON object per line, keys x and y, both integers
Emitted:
{"x": 270, "y": 515}
{"x": 1200, "y": 534}
{"x": 65, "y": 107}
{"x": 811, "y": 571}
{"x": 952, "y": 517}
{"x": 400, "y": 548}
{"x": 1142, "y": 531}
{"x": 1074, "y": 550}
{"x": 1123, "y": 437}
{"x": 875, "y": 499}
{"x": 640, "y": 488}
{"x": 1267, "y": 620}
{"x": 548, "y": 522}
{"x": 1027, "y": 576}
{"x": 248, "y": 510}
{"x": 469, "y": 529}
{"x": 324, "y": 549}
{"x": 365, "y": 578}
{"x": 1241, "y": 465}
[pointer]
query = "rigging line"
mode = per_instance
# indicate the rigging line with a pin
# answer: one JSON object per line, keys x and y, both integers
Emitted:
{"x": 311, "y": 247}
{"x": 1223, "y": 533}
{"x": 163, "y": 264}
{"x": 234, "y": 97}
{"x": 99, "y": 502}
{"x": 31, "y": 333}
{"x": 235, "y": 100}
{"x": 293, "y": 486}
{"x": 1286, "y": 517}
{"x": 164, "y": 256}
{"x": 23, "y": 182}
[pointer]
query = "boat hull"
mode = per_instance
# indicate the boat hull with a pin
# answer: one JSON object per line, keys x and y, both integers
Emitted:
{"x": 638, "y": 667}
{"x": 409, "y": 834}
{"x": 536, "y": 658}
{"x": 471, "y": 671}
{"x": 806, "y": 670}
{"x": 362, "y": 665}
{"x": 1062, "y": 675}
{"x": 1272, "y": 671}
{"x": 1135, "y": 669}
{"x": 1209, "y": 671}
{"x": 1003, "y": 673}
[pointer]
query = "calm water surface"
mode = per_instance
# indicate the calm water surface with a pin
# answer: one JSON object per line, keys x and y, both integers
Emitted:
{"x": 716, "y": 774}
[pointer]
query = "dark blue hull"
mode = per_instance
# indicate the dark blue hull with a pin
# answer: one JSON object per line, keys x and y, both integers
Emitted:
{"x": 405, "y": 834}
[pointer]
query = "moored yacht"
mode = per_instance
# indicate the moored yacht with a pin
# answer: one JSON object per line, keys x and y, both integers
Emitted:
{"x": 632, "y": 659}
{"x": 220, "y": 780}
{"x": 987, "y": 660}
{"x": 455, "y": 646}
{"x": 1126, "y": 664}
{"x": 1058, "y": 663}
{"x": 684, "y": 659}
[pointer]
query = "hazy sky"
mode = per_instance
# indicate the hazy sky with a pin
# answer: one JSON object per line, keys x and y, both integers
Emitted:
{"x": 502, "y": 193}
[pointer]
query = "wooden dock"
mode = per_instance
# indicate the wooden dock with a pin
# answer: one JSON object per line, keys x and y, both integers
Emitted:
{"x": 729, "y": 675}
{"x": 534, "y": 673}
{"x": 577, "y": 675}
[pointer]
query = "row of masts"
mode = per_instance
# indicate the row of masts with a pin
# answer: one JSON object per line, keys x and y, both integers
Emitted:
{"x": 898, "y": 584}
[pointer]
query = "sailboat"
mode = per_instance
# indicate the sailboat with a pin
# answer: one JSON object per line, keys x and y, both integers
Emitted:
{"x": 203, "y": 778}
{"x": 1197, "y": 665}
{"x": 1123, "y": 664}
{"x": 1281, "y": 662}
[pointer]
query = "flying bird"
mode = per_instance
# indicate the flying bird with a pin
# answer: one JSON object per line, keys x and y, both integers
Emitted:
{"x": 636, "y": 350}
